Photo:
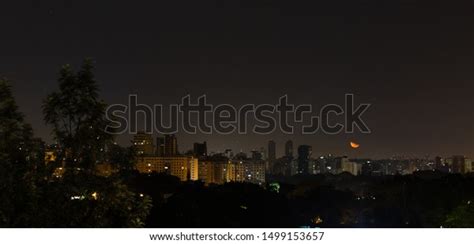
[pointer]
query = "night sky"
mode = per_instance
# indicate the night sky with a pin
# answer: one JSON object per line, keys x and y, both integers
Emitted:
{"x": 412, "y": 59}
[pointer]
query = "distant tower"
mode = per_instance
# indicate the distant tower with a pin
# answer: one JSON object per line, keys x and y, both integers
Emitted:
{"x": 289, "y": 149}
{"x": 264, "y": 153}
{"x": 200, "y": 149}
{"x": 160, "y": 146}
{"x": 271, "y": 151}
{"x": 171, "y": 145}
{"x": 271, "y": 156}
{"x": 304, "y": 155}
{"x": 460, "y": 164}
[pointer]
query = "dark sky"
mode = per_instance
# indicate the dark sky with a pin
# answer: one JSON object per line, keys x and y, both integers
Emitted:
{"x": 412, "y": 59}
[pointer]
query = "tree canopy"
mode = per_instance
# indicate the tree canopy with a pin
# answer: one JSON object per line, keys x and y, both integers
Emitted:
{"x": 79, "y": 197}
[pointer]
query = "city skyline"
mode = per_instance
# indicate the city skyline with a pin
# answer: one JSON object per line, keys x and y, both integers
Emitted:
{"x": 145, "y": 143}
{"x": 262, "y": 164}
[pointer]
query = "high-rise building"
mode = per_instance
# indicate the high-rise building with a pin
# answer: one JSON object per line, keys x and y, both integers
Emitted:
{"x": 160, "y": 146}
{"x": 315, "y": 167}
{"x": 271, "y": 151}
{"x": 183, "y": 167}
{"x": 214, "y": 170}
{"x": 171, "y": 145}
{"x": 264, "y": 153}
{"x": 289, "y": 149}
{"x": 441, "y": 165}
{"x": 219, "y": 170}
{"x": 304, "y": 155}
{"x": 247, "y": 171}
{"x": 143, "y": 144}
{"x": 322, "y": 163}
{"x": 294, "y": 167}
{"x": 351, "y": 167}
{"x": 200, "y": 149}
{"x": 282, "y": 166}
{"x": 336, "y": 164}
{"x": 459, "y": 164}
{"x": 271, "y": 156}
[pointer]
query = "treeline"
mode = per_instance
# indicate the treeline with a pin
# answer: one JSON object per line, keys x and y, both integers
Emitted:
{"x": 424, "y": 200}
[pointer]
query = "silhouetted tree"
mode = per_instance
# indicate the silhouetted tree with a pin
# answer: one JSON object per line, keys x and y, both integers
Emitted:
{"x": 78, "y": 117}
{"x": 17, "y": 162}
{"x": 122, "y": 158}
{"x": 87, "y": 200}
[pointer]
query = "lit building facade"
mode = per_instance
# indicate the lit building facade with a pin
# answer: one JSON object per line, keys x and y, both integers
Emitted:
{"x": 351, "y": 167}
{"x": 459, "y": 164}
{"x": 220, "y": 172}
{"x": 247, "y": 171}
{"x": 183, "y": 167}
{"x": 143, "y": 144}
{"x": 215, "y": 172}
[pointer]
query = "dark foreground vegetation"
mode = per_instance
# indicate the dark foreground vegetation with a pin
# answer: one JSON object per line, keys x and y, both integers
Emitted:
{"x": 425, "y": 199}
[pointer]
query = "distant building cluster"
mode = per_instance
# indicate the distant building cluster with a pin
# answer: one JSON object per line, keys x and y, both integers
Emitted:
{"x": 165, "y": 146}
{"x": 161, "y": 155}
{"x": 196, "y": 164}
{"x": 305, "y": 163}
{"x": 219, "y": 168}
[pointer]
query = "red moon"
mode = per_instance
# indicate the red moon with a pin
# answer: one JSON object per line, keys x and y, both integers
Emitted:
{"x": 354, "y": 145}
